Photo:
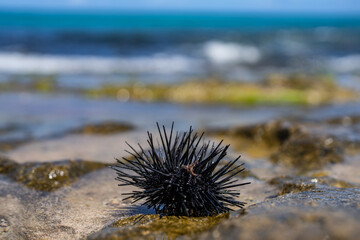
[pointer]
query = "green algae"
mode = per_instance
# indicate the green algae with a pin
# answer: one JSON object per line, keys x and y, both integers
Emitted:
{"x": 298, "y": 89}
{"x": 103, "y": 128}
{"x": 153, "y": 226}
{"x": 202, "y": 92}
{"x": 47, "y": 177}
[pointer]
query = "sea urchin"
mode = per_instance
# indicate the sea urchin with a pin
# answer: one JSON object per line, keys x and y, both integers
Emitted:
{"x": 179, "y": 177}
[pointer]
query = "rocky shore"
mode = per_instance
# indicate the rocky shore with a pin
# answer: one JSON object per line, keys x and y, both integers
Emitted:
{"x": 304, "y": 175}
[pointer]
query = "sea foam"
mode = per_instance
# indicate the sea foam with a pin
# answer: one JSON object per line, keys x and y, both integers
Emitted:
{"x": 221, "y": 53}
{"x": 20, "y": 63}
{"x": 348, "y": 63}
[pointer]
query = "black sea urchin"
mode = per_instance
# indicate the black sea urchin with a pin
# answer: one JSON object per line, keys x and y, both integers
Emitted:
{"x": 178, "y": 177}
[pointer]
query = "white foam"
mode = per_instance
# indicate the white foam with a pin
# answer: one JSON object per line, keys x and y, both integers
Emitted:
{"x": 53, "y": 64}
{"x": 229, "y": 53}
{"x": 345, "y": 64}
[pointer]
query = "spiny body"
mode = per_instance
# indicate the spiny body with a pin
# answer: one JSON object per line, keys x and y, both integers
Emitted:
{"x": 178, "y": 177}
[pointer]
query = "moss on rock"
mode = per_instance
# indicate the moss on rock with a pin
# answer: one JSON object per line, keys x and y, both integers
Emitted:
{"x": 47, "y": 176}
{"x": 152, "y": 226}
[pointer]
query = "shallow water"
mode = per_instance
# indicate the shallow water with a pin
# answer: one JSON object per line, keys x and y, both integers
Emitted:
{"x": 49, "y": 115}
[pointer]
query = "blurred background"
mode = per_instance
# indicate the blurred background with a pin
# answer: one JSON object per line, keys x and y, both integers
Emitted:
{"x": 278, "y": 80}
{"x": 67, "y": 63}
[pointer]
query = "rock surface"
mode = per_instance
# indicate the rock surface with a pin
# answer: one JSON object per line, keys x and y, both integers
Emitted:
{"x": 324, "y": 213}
{"x": 304, "y": 174}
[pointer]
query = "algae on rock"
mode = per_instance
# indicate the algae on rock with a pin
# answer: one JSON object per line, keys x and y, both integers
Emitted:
{"x": 47, "y": 176}
{"x": 151, "y": 226}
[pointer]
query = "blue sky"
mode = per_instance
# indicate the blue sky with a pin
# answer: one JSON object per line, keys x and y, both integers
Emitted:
{"x": 323, "y": 6}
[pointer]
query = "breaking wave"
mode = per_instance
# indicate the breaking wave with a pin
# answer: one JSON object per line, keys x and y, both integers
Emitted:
{"x": 348, "y": 63}
{"x": 222, "y": 53}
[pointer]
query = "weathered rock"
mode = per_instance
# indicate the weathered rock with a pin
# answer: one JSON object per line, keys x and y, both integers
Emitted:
{"x": 47, "y": 176}
{"x": 301, "y": 205}
{"x": 320, "y": 214}
{"x": 307, "y": 152}
{"x": 293, "y": 223}
{"x": 292, "y": 144}
{"x": 74, "y": 212}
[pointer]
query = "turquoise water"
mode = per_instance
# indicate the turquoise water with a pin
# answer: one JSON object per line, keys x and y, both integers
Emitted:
{"x": 134, "y": 20}
{"x": 171, "y": 46}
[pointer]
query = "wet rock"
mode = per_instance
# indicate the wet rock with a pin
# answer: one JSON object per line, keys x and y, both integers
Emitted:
{"x": 103, "y": 128}
{"x": 259, "y": 140}
{"x": 292, "y": 144}
{"x": 273, "y": 133}
{"x": 308, "y": 152}
{"x": 290, "y": 184}
{"x": 323, "y": 197}
{"x": 73, "y": 212}
{"x": 152, "y": 226}
{"x": 47, "y": 176}
{"x": 290, "y": 224}
{"x": 329, "y": 213}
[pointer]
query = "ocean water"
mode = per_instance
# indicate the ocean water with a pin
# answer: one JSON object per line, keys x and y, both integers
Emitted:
{"x": 176, "y": 46}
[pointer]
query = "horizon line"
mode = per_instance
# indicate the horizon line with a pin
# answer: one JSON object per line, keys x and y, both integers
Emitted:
{"x": 49, "y": 10}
